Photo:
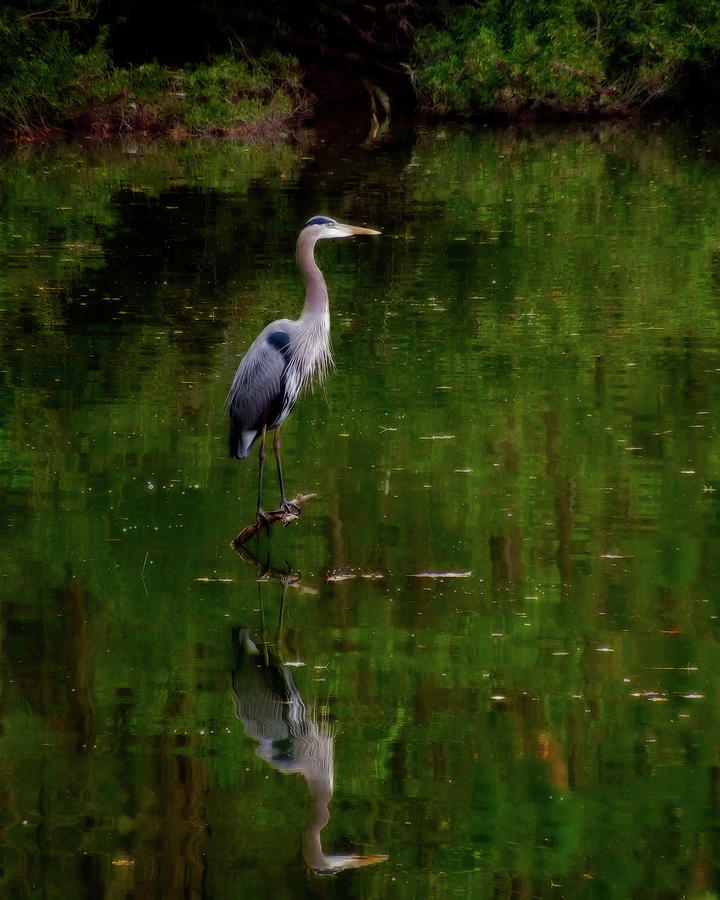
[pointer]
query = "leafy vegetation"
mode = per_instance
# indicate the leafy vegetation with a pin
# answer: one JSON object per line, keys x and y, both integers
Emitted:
{"x": 55, "y": 75}
{"x": 222, "y": 96}
{"x": 47, "y": 70}
{"x": 574, "y": 57}
{"x": 218, "y": 68}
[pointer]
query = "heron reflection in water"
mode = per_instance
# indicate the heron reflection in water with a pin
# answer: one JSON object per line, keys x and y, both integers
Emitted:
{"x": 290, "y": 738}
{"x": 284, "y": 359}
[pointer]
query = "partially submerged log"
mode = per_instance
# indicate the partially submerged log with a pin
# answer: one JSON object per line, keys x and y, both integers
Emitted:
{"x": 276, "y": 515}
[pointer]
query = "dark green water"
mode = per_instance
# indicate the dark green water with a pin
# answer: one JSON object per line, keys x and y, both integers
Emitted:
{"x": 526, "y": 397}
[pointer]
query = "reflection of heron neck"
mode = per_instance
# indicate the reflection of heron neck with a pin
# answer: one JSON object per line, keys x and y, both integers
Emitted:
{"x": 316, "y": 295}
{"x": 315, "y": 859}
{"x": 321, "y": 791}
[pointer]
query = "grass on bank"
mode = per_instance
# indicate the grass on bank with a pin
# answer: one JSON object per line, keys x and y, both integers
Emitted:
{"x": 57, "y": 87}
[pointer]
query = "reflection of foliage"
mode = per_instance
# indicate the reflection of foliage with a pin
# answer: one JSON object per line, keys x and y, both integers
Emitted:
{"x": 551, "y": 302}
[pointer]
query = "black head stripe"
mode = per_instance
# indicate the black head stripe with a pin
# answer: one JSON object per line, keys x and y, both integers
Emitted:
{"x": 320, "y": 220}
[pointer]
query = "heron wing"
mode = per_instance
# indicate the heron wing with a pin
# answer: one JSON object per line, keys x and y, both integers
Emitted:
{"x": 257, "y": 391}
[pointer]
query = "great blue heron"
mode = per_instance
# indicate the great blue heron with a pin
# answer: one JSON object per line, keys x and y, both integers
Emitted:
{"x": 285, "y": 358}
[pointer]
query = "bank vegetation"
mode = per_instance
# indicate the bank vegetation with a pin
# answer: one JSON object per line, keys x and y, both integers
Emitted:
{"x": 103, "y": 67}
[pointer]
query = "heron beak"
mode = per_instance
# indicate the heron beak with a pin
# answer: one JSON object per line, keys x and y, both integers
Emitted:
{"x": 357, "y": 229}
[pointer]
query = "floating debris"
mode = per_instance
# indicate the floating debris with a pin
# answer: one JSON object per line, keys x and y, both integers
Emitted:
{"x": 440, "y": 575}
{"x": 347, "y": 574}
{"x": 341, "y": 575}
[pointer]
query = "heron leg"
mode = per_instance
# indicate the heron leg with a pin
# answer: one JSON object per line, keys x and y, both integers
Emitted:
{"x": 279, "y": 643}
{"x": 261, "y": 516}
{"x": 285, "y": 504}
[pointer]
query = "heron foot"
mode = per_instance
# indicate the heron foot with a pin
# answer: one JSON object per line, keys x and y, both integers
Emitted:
{"x": 263, "y": 518}
{"x": 289, "y": 508}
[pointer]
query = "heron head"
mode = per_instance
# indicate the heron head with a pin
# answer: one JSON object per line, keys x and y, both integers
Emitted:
{"x": 323, "y": 228}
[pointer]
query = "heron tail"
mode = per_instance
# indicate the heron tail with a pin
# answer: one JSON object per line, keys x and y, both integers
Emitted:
{"x": 240, "y": 441}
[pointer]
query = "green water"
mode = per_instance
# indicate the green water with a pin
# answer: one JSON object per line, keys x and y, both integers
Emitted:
{"x": 526, "y": 398}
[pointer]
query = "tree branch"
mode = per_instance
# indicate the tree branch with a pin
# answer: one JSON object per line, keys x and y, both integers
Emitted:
{"x": 277, "y": 515}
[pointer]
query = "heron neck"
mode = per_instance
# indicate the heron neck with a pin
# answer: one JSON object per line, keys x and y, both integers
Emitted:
{"x": 316, "y": 294}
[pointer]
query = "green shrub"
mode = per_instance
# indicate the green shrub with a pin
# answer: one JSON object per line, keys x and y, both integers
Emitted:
{"x": 573, "y": 56}
{"x": 229, "y": 91}
{"x": 478, "y": 63}
{"x": 461, "y": 66}
{"x": 56, "y": 85}
{"x": 217, "y": 96}
{"x": 44, "y": 79}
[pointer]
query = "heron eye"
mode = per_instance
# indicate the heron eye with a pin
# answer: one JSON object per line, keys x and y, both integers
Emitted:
{"x": 328, "y": 224}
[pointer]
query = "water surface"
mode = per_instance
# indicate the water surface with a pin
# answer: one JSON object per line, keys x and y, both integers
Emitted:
{"x": 503, "y": 615}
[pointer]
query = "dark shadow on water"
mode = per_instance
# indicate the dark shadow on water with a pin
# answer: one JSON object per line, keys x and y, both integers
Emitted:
{"x": 291, "y": 737}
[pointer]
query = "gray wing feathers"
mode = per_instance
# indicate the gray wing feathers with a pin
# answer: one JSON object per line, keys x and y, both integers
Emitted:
{"x": 257, "y": 384}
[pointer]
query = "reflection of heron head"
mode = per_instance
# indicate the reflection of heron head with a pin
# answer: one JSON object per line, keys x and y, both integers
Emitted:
{"x": 330, "y": 865}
